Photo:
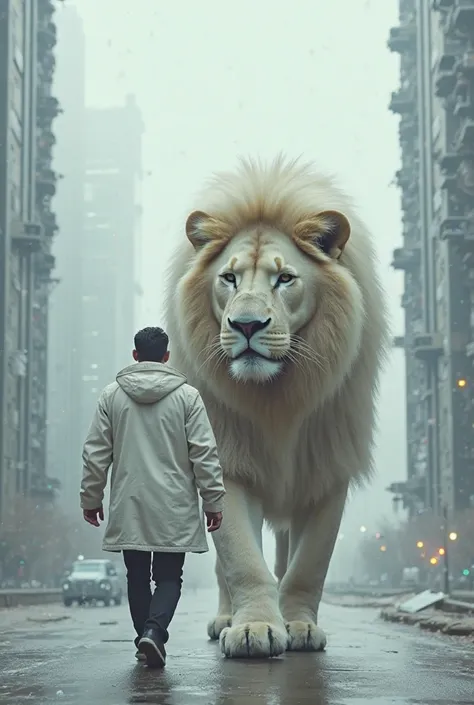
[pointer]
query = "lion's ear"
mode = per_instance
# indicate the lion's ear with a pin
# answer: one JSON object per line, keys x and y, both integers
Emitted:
{"x": 201, "y": 229}
{"x": 329, "y": 231}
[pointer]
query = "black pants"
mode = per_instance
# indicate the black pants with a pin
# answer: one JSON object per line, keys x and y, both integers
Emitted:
{"x": 153, "y": 611}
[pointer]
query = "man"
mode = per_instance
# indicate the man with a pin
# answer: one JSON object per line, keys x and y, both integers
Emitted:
{"x": 154, "y": 430}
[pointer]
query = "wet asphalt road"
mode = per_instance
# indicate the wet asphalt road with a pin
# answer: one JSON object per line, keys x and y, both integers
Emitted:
{"x": 368, "y": 662}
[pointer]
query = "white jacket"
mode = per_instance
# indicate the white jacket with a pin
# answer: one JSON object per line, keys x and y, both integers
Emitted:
{"x": 154, "y": 430}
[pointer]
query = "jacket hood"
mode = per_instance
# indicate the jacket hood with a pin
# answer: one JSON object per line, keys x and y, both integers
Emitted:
{"x": 148, "y": 382}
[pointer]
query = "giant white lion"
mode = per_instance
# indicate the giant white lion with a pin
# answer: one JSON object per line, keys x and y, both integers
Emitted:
{"x": 276, "y": 314}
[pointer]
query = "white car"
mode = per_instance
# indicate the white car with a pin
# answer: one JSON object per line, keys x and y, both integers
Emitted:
{"x": 92, "y": 581}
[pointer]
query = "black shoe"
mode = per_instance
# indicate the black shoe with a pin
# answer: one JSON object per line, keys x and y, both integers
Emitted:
{"x": 153, "y": 649}
{"x": 138, "y": 655}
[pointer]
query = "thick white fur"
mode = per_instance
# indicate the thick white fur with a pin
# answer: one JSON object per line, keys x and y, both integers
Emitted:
{"x": 295, "y": 427}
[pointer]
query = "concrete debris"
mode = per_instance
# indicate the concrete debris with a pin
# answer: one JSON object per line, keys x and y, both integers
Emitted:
{"x": 422, "y": 601}
{"x": 47, "y": 619}
{"x": 432, "y": 620}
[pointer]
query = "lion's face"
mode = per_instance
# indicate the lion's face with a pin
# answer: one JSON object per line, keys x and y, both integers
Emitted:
{"x": 264, "y": 290}
{"x": 279, "y": 302}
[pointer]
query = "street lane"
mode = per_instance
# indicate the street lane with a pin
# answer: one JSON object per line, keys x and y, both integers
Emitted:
{"x": 89, "y": 658}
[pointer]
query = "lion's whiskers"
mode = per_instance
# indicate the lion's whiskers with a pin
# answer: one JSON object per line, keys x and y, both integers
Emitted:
{"x": 303, "y": 351}
{"x": 303, "y": 345}
{"x": 215, "y": 343}
{"x": 215, "y": 356}
{"x": 296, "y": 361}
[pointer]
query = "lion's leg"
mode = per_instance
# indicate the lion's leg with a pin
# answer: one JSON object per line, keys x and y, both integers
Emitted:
{"x": 224, "y": 611}
{"x": 281, "y": 553}
{"x": 312, "y": 539}
{"x": 258, "y": 629}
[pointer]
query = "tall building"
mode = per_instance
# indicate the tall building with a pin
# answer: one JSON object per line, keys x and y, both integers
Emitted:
{"x": 65, "y": 387}
{"x": 435, "y": 40}
{"x": 93, "y": 320}
{"x": 27, "y": 227}
{"x": 113, "y": 149}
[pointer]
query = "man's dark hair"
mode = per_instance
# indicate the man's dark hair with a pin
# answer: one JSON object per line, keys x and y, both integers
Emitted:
{"x": 151, "y": 344}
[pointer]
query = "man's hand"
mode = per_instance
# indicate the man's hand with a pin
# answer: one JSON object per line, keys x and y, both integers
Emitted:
{"x": 92, "y": 516}
{"x": 214, "y": 520}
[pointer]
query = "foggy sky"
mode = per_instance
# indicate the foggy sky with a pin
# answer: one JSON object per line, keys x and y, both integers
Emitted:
{"x": 218, "y": 79}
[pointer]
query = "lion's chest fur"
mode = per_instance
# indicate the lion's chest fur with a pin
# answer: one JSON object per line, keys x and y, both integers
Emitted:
{"x": 288, "y": 470}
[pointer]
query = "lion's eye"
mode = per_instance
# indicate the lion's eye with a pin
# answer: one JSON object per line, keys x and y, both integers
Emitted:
{"x": 285, "y": 278}
{"x": 229, "y": 277}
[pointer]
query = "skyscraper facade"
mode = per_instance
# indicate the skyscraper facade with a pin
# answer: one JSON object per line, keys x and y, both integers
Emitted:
{"x": 28, "y": 109}
{"x": 435, "y": 102}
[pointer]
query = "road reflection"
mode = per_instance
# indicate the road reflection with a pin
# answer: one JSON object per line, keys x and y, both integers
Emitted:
{"x": 289, "y": 681}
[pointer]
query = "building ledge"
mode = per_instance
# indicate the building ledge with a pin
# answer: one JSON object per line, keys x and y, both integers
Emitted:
{"x": 402, "y": 39}
{"x": 470, "y": 349}
{"x": 453, "y": 228}
{"x": 402, "y": 101}
{"x": 398, "y": 341}
{"x": 28, "y": 237}
{"x": 462, "y": 17}
{"x": 406, "y": 259}
{"x": 443, "y": 5}
{"x": 428, "y": 347}
{"x": 465, "y": 136}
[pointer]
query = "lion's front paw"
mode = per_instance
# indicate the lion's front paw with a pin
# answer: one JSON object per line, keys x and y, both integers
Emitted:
{"x": 215, "y": 626}
{"x": 254, "y": 640}
{"x": 305, "y": 636}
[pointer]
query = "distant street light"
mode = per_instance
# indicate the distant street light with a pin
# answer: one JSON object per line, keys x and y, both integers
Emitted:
{"x": 441, "y": 551}
{"x": 419, "y": 544}
{"x": 383, "y": 548}
{"x": 363, "y": 529}
{"x": 433, "y": 561}
{"x": 453, "y": 536}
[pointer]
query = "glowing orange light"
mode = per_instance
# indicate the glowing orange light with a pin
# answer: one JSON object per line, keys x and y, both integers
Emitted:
{"x": 383, "y": 548}
{"x": 441, "y": 551}
{"x": 461, "y": 383}
{"x": 420, "y": 544}
{"x": 433, "y": 561}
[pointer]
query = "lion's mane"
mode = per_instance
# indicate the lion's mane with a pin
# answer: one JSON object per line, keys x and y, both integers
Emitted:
{"x": 290, "y": 440}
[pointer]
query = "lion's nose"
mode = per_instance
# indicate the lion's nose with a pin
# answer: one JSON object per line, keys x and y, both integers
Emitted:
{"x": 248, "y": 328}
